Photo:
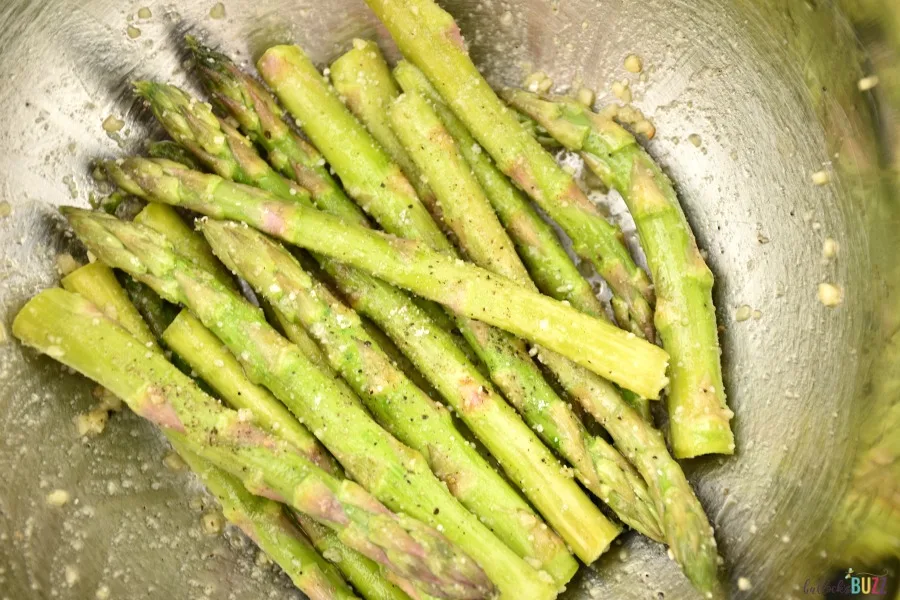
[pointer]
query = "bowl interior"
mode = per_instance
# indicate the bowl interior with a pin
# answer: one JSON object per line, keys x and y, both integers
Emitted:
{"x": 748, "y": 98}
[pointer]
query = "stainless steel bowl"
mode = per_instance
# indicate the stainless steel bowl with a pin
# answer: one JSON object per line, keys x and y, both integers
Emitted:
{"x": 770, "y": 88}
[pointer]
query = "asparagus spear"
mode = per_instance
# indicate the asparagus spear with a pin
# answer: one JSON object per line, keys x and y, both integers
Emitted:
{"x": 686, "y": 321}
{"x": 686, "y": 528}
{"x": 265, "y": 522}
{"x": 548, "y": 262}
{"x": 257, "y": 113}
{"x": 428, "y": 36}
{"x": 188, "y": 338}
{"x": 191, "y": 245}
{"x": 346, "y": 144}
{"x": 363, "y": 79}
{"x": 467, "y": 208}
{"x": 480, "y": 235}
{"x": 397, "y": 357}
{"x": 452, "y": 459}
{"x": 98, "y": 282}
{"x": 394, "y": 401}
{"x": 540, "y": 249}
{"x": 597, "y": 345}
{"x": 76, "y": 333}
{"x": 232, "y": 156}
{"x": 389, "y": 469}
{"x": 216, "y": 366}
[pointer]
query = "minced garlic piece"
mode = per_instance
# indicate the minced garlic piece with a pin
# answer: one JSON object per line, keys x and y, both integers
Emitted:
{"x": 58, "y": 498}
{"x": 634, "y": 64}
{"x": 830, "y": 295}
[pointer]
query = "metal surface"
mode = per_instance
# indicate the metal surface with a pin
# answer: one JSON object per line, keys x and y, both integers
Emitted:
{"x": 769, "y": 88}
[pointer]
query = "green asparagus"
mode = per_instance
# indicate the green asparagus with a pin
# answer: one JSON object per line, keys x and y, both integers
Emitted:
{"x": 261, "y": 119}
{"x": 538, "y": 245}
{"x": 480, "y": 235}
{"x": 98, "y": 282}
{"x": 232, "y": 156}
{"x": 506, "y": 513}
{"x": 333, "y": 413}
{"x": 191, "y": 340}
{"x": 394, "y": 401}
{"x": 193, "y": 343}
{"x": 73, "y": 331}
{"x": 685, "y": 316}
{"x": 588, "y": 540}
{"x": 346, "y": 144}
{"x": 428, "y": 37}
{"x": 466, "y": 207}
{"x": 173, "y": 151}
{"x": 263, "y": 520}
{"x": 363, "y": 80}
{"x": 257, "y": 113}
{"x": 540, "y": 249}
{"x": 466, "y": 289}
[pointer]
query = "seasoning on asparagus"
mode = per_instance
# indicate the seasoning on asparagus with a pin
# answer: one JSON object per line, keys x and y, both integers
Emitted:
{"x": 203, "y": 354}
{"x": 429, "y": 38}
{"x": 395, "y": 402}
{"x": 363, "y": 80}
{"x": 232, "y": 156}
{"x": 482, "y": 238}
{"x": 332, "y": 412}
{"x": 73, "y": 331}
{"x": 265, "y": 522}
{"x": 617, "y": 355}
{"x": 570, "y": 512}
{"x": 506, "y": 514}
{"x": 469, "y": 213}
{"x": 549, "y": 264}
{"x": 262, "y": 519}
{"x": 685, "y": 316}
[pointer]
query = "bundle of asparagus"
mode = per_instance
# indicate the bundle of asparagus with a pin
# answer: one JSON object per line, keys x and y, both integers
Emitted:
{"x": 372, "y": 321}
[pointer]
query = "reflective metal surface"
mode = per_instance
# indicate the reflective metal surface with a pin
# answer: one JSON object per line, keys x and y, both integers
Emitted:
{"x": 770, "y": 88}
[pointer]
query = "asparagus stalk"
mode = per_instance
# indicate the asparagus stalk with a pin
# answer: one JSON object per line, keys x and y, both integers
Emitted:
{"x": 220, "y": 147}
{"x": 164, "y": 219}
{"x": 363, "y": 80}
{"x": 216, "y": 366}
{"x": 397, "y": 357}
{"x": 394, "y": 401}
{"x": 538, "y": 245}
{"x": 98, "y": 282}
{"x": 191, "y": 245}
{"x": 189, "y": 339}
{"x": 548, "y": 262}
{"x": 686, "y": 319}
{"x": 258, "y": 115}
{"x": 588, "y": 541}
{"x": 428, "y": 36}
{"x": 452, "y": 459}
{"x": 389, "y": 469}
{"x": 265, "y": 522}
{"x": 465, "y": 204}
{"x": 685, "y": 525}
{"x": 597, "y": 345}
{"x": 480, "y": 235}
{"x": 76, "y": 333}
{"x": 367, "y": 172}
